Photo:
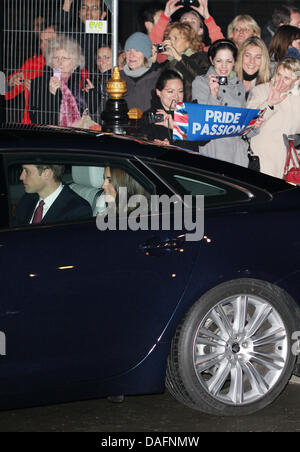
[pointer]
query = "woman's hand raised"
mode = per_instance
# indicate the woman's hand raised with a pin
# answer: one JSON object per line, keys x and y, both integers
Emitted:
{"x": 170, "y": 50}
{"x": 276, "y": 95}
{"x": 54, "y": 84}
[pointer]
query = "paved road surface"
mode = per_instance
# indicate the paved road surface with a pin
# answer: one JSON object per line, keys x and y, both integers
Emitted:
{"x": 154, "y": 413}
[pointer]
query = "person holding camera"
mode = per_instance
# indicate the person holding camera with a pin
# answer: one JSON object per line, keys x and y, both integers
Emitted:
{"x": 157, "y": 122}
{"x": 198, "y": 17}
{"x": 185, "y": 54}
{"x": 221, "y": 86}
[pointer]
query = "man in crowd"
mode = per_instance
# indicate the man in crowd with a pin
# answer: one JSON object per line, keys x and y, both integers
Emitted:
{"x": 154, "y": 19}
{"x": 74, "y": 17}
{"x": 282, "y": 15}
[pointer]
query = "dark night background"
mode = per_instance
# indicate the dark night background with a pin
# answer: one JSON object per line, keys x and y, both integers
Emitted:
{"x": 21, "y": 13}
{"x": 223, "y": 12}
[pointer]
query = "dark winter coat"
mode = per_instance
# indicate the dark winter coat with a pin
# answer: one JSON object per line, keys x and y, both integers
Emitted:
{"x": 44, "y": 107}
{"x": 189, "y": 68}
{"x": 139, "y": 89}
{"x": 159, "y": 132}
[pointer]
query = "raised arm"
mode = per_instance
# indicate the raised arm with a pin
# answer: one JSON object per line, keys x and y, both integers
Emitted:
{"x": 67, "y": 5}
{"x": 214, "y": 30}
{"x": 157, "y": 33}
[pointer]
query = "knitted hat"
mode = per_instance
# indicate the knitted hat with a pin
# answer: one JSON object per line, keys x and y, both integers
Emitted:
{"x": 139, "y": 41}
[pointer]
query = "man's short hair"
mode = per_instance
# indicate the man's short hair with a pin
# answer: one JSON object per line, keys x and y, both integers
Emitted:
{"x": 292, "y": 8}
{"x": 57, "y": 170}
{"x": 148, "y": 11}
{"x": 281, "y": 15}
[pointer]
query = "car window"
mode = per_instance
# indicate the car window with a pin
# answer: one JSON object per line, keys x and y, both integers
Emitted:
{"x": 216, "y": 191}
{"x": 82, "y": 181}
{"x": 197, "y": 187}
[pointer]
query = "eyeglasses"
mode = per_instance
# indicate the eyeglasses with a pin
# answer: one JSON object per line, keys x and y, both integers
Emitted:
{"x": 242, "y": 30}
{"x": 63, "y": 59}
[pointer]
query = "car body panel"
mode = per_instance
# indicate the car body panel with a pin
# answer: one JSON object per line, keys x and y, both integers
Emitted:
{"x": 88, "y": 313}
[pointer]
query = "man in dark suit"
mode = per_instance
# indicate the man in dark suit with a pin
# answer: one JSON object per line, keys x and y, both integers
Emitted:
{"x": 46, "y": 199}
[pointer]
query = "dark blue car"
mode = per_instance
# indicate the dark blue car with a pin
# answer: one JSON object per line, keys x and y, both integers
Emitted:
{"x": 87, "y": 313}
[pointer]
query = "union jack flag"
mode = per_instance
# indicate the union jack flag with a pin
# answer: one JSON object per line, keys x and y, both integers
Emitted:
{"x": 181, "y": 122}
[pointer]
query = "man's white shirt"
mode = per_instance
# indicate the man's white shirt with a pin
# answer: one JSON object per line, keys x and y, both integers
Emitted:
{"x": 48, "y": 201}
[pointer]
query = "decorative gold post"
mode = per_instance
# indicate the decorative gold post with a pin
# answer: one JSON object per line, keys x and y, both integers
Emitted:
{"x": 115, "y": 118}
{"x": 116, "y": 87}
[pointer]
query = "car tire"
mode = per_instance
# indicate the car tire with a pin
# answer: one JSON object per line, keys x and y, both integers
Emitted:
{"x": 232, "y": 353}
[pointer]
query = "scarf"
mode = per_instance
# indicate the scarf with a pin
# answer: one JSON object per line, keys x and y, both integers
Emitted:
{"x": 69, "y": 112}
{"x": 135, "y": 73}
{"x": 249, "y": 78}
{"x": 188, "y": 52}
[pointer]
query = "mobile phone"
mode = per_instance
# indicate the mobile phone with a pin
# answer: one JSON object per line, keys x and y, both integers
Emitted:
{"x": 56, "y": 73}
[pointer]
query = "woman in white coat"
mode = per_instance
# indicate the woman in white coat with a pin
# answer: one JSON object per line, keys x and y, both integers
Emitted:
{"x": 281, "y": 98}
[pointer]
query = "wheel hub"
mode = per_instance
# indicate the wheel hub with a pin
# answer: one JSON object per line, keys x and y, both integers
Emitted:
{"x": 241, "y": 349}
{"x": 235, "y": 348}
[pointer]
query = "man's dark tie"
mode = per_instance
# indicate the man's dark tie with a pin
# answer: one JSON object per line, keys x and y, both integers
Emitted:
{"x": 38, "y": 214}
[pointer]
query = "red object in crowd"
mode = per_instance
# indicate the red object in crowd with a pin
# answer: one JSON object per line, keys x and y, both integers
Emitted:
{"x": 32, "y": 68}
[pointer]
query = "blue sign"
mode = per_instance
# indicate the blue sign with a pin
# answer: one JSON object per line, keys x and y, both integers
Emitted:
{"x": 196, "y": 122}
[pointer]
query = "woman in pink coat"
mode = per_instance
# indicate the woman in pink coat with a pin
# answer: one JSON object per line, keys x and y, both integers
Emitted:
{"x": 281, "y": 98}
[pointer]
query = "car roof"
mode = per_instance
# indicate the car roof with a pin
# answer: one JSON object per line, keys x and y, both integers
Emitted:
{"x": 35, "y": 137}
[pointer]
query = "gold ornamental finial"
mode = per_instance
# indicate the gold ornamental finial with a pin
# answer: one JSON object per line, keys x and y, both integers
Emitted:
{"x": 135, "y": 113}
{"x": 116, "y": 87}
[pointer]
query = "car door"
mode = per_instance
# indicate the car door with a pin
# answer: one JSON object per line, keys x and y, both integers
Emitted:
{"x": 81, "y": 303}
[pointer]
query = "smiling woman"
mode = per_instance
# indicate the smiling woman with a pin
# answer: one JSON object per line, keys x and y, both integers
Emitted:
{"x": 211, "y": 90}
{"x": 253, "y": 63}
{"x": 139, "y": 73}
{"x": 59, "y": 96}
{"x": 281, "y": 97}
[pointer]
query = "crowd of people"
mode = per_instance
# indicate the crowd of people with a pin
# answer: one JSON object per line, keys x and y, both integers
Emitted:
{"x": 170, "y": 61}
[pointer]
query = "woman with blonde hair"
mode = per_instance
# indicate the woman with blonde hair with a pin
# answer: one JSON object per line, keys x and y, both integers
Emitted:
{"x": 281, "y": 99}
{"x": 241, "y": 28}
{"x": 185, "y": 54}
{"x": 253, "y": 63}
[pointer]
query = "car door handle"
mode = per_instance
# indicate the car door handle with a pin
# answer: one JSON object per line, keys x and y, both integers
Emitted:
{"x": 158, "y": 247}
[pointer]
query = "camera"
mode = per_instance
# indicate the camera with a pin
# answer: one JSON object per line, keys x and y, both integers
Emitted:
{"x": 160, "y": 48}
{"x": 152, "y": 118}
{"x": 188, "y": 3}
{"x": 222, "y": 80}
